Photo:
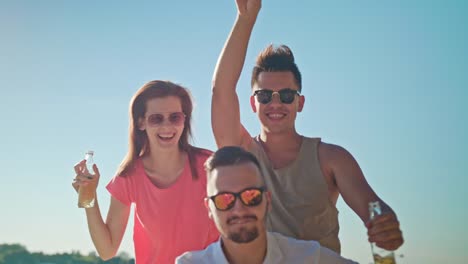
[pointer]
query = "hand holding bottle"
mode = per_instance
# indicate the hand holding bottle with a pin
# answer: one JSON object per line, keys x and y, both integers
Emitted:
{"x": 384, "y": 230}
{"x": 86, "y": 181}
{"x": 384, "y": 233}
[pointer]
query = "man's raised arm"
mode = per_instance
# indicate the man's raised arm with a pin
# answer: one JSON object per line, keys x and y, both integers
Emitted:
{"x": 225, "y": 114}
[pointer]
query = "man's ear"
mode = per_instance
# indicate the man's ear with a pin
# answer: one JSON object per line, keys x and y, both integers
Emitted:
{"x": 252, "y": 104}
{"x": 301, "y": 103}
{"x": 268, "y": 197}
{"x": 207, "y": 206}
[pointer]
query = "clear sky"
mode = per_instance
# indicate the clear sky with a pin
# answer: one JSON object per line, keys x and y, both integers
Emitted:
{"x": 387, "y": 80}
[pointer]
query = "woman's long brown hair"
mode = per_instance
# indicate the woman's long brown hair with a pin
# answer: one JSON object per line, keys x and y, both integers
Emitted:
{"x": 138, "y": 141}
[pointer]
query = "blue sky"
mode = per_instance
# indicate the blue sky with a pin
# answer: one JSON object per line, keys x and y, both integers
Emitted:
{"x": 387, "y": 80}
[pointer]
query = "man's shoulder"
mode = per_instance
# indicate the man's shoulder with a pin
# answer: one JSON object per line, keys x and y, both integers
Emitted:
{"x": 191, "y": 257}
{"x": 291, "y": 250}
{"x": 304, "y": 251}
{"x": 207, "y": 255}
{"x": 328, "y": 151}
{"x": 286, "y": 241}
{"x": 330, "y": 146}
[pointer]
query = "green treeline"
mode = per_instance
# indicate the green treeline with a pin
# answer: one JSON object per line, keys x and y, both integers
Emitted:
{"x": 18, "y": 254}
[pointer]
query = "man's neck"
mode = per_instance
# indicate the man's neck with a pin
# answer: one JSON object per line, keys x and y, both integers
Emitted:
{"x": 281, "y": 148}
{"x": 246, "y": 253}
{"x": 275, "y": 142}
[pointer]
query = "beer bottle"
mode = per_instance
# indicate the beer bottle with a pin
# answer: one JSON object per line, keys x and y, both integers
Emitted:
{"x": 381, "y": 256}
{"x": 87, "y": 194}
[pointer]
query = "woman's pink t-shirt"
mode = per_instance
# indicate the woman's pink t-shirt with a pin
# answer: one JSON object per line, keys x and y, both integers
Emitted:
{"x": 167, "y": 222}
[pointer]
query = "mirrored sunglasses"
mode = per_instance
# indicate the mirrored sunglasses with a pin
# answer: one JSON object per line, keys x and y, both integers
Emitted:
{"x": 175, "y": 118}
{"x": 224, "y": 201}
{"x": 286, "y": 95}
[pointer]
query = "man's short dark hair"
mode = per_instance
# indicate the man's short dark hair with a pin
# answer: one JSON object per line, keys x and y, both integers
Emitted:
{"x": 276, "y": 59}
{"x": 230, "y": 155}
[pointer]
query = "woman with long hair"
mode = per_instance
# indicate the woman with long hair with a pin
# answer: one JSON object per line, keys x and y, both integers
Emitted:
{"x": 162, "y": 175}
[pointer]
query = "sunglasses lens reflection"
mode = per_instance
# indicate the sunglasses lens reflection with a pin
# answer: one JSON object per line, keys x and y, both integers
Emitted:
{"x": 224, "y": 201}
{"x": 251, "y": 197}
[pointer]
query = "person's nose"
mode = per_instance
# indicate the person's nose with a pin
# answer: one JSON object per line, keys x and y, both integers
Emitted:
{"x": 238, "y": 205}
{"x": 166, "y": 122}
{"x": 275, "y": 98}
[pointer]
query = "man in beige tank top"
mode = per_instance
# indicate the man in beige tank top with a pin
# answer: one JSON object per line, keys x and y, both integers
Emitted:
{"x": 305, "y": 175}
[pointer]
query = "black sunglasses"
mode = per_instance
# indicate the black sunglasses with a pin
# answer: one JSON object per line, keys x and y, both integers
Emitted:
{"x": 286, "y": 95}
{"x": 251, "y": 196}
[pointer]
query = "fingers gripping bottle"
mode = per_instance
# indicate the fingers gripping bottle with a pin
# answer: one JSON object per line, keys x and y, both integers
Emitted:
{"x": 87, "y": 193}
{"x": 381, "y": 256}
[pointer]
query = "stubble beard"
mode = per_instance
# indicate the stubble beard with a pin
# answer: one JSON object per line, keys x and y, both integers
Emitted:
{"x": 244, "y": 235}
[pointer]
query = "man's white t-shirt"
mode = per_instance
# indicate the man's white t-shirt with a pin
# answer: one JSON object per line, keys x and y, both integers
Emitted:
{"x": 280, "y": 249}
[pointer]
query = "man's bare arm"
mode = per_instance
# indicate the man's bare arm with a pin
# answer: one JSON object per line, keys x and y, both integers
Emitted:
{"x": 357, "y": 193}
{"x": 225, "y": 114}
